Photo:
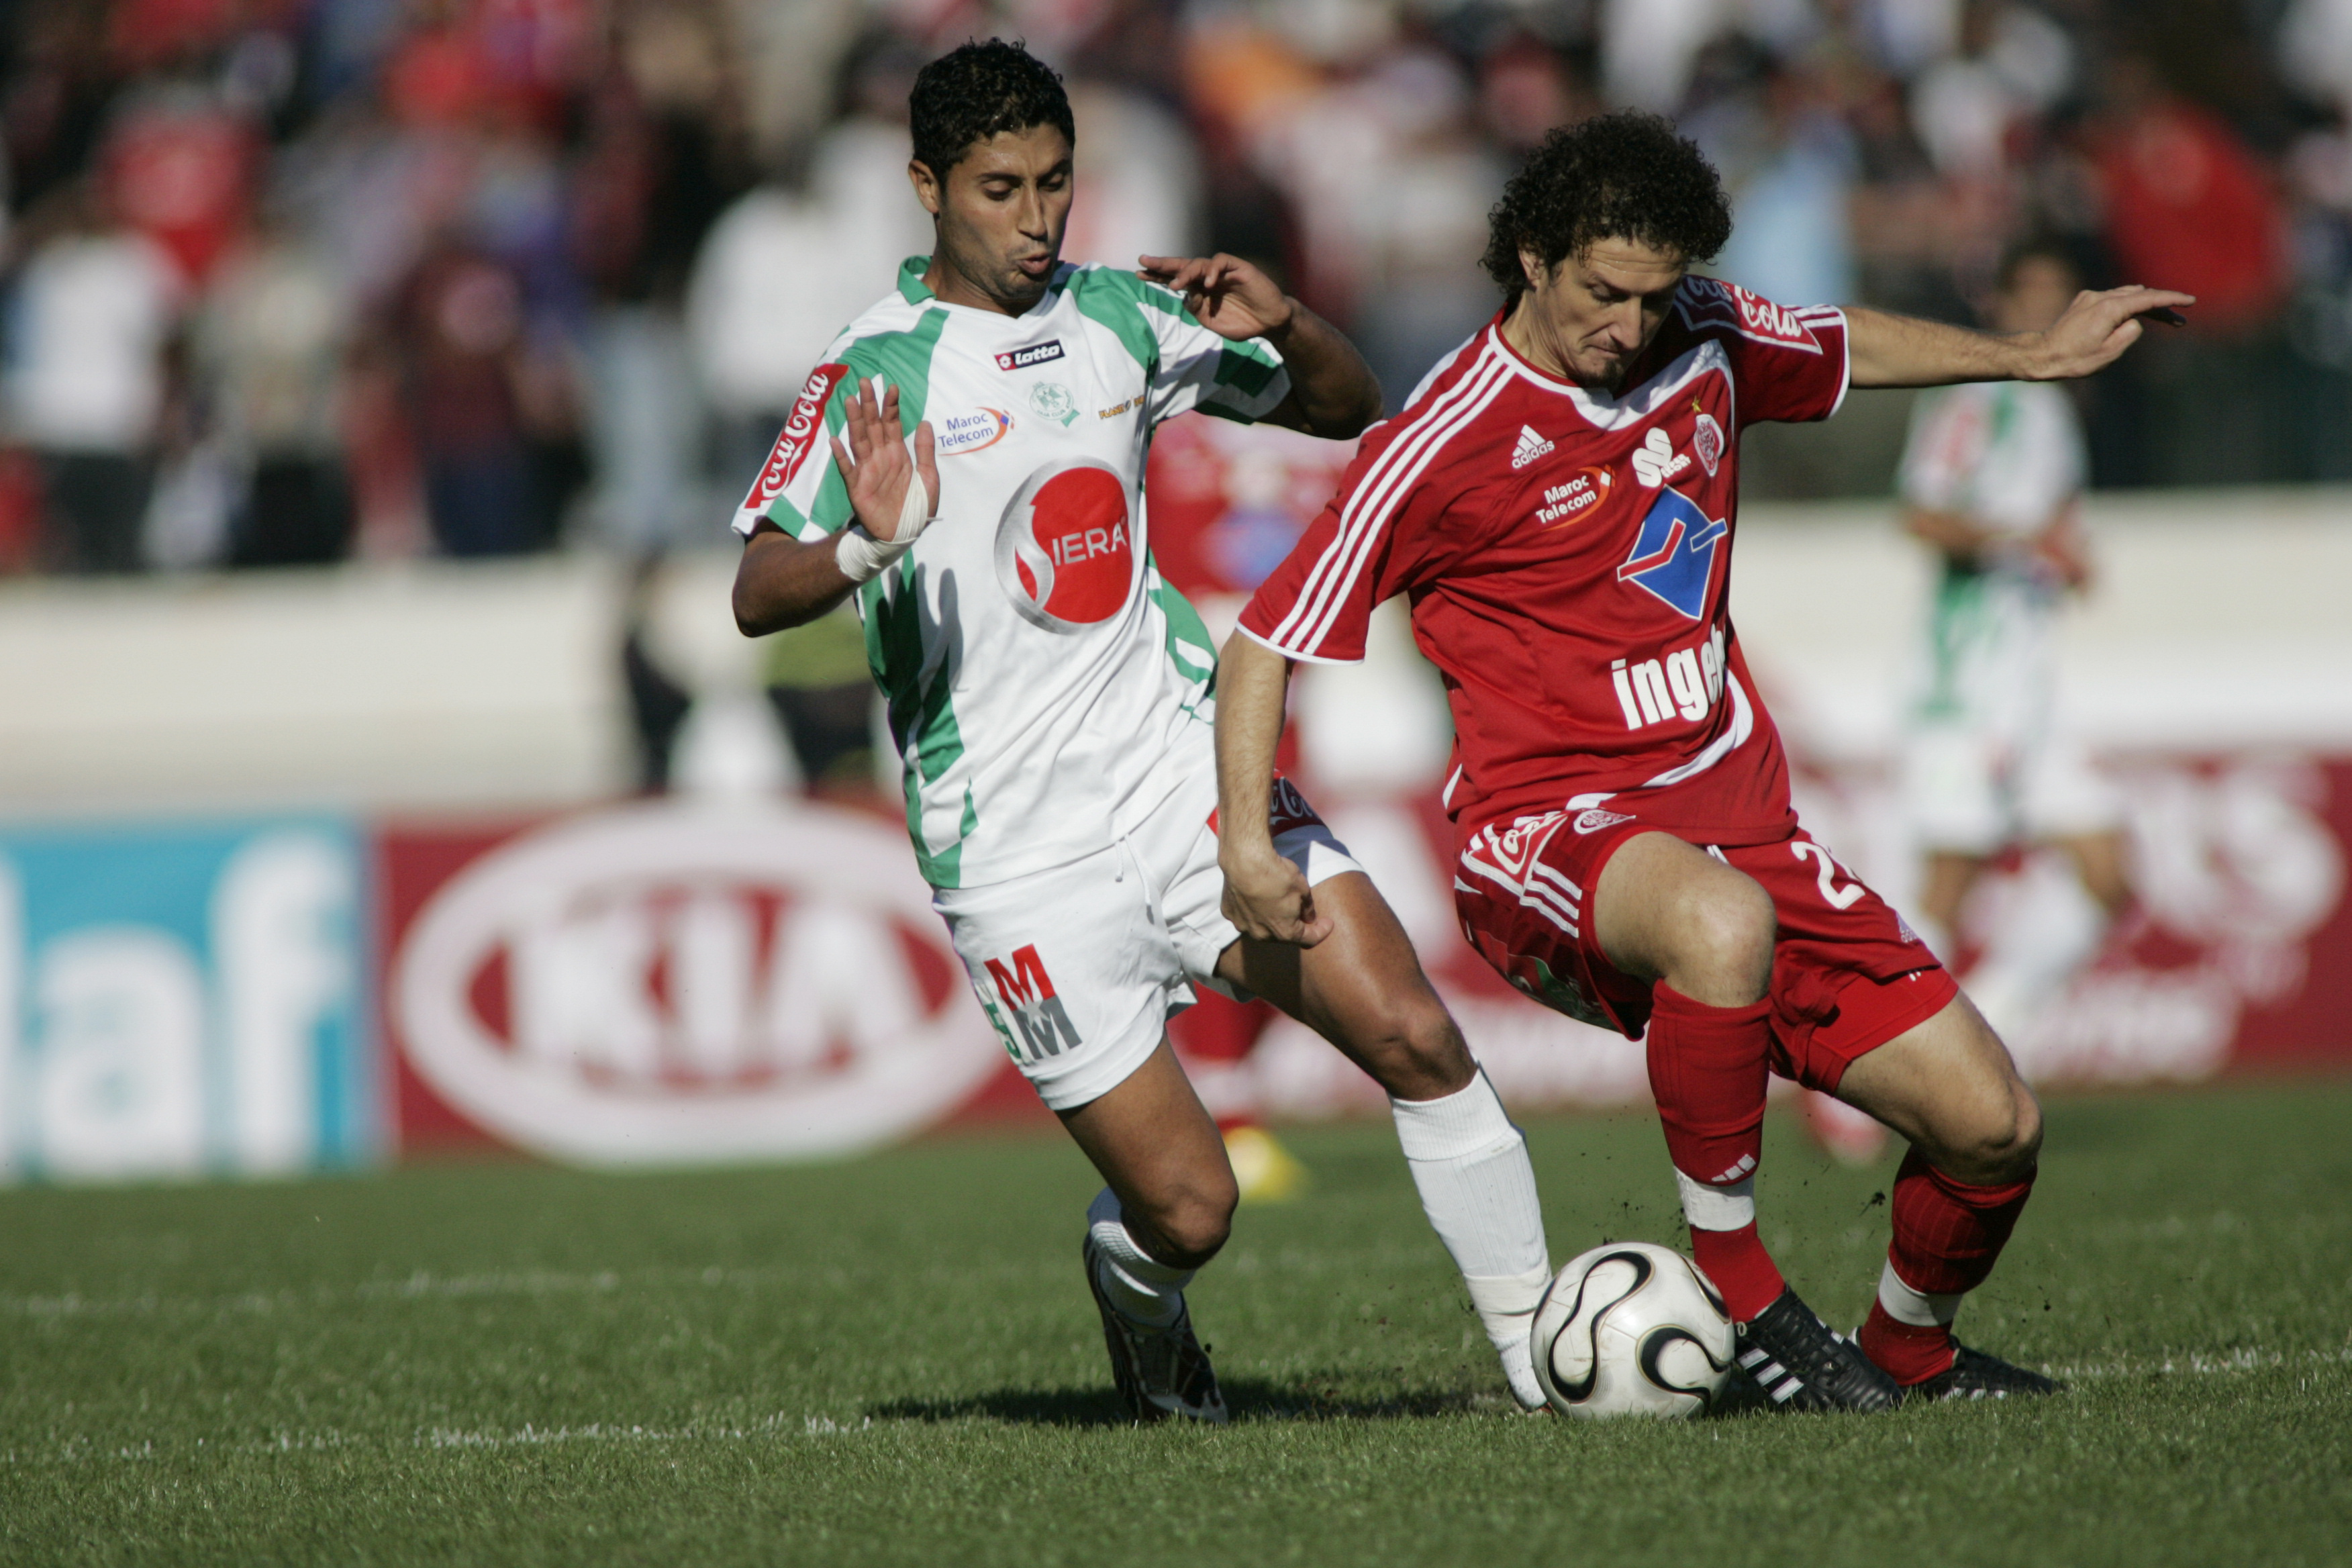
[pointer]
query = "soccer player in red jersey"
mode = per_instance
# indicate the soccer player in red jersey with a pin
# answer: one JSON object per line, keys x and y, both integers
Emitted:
{"x": 1558, "y": 501}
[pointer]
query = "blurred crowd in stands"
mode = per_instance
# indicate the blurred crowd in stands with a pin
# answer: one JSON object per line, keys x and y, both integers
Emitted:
{"x": 302, "y": 280}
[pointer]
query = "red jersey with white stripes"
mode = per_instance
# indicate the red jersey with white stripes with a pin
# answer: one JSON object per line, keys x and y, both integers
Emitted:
{"x": 1568, "y": 556}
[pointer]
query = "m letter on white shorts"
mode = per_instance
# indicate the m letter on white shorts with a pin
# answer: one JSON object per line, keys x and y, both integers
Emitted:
{"x": 1079, "y": 966}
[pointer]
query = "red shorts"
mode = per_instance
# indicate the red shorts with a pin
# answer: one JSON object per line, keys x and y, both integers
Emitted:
{"x": 1847, "y": 974}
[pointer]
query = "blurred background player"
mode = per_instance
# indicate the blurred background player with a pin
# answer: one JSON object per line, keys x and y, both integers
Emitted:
{"x": 1991, "y": 481}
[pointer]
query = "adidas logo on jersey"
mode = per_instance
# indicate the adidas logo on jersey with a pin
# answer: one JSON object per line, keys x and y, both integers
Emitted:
{"x": 1531, "y": 447}
{"x": 1654, "y": 460}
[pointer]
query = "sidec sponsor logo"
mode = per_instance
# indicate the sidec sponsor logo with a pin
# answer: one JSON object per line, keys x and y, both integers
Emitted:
{"x": 1040, "y": 1025}
{"x": 1674, "y": 555}
{"x": 802, "y": 427}
{"x": 1686, "y": 683}
{"x": 1031, "y": 356}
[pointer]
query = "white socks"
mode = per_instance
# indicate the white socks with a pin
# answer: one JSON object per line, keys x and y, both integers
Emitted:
{"x": 1729, "y": 1206}
{"x": 1915, "y": 1307}
{"x": 1479, "y": 1191}
{"x": 1136, "y": 1283}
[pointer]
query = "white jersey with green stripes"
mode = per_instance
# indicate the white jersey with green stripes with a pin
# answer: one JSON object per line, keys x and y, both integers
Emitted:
{"x": 2009, "y": 457}
{"x": 1045, "y": 688}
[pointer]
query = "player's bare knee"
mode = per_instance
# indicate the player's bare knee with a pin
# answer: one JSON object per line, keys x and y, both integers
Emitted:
{"x": 1185, "y": 1227}
{"x": 2002, "y": 1142}
{"x": 1420, "y": 1054}
{"x": 1728, "y": 931}
{"x": 1195, "y": 1230}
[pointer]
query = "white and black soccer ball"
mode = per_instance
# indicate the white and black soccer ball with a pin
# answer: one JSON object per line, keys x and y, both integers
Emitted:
{"x": 1630, "y": 1329}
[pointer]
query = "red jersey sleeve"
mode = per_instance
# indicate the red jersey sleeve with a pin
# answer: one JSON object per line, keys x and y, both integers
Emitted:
{"x": 1787, "y": 362}
{"x": 1376, "y": 538}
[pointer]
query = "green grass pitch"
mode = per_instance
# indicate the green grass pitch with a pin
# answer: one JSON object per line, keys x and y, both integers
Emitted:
{"x": 894, "y": 1360}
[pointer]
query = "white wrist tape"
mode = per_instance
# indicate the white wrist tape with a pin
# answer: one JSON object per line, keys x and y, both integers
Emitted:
{"x": 862, "y": 557}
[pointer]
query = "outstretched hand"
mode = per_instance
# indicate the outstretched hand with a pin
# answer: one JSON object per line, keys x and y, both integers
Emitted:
{"x": 1229, "y": 297}
{"x": 1267, "y": 897}
{"x": 2098, "y": 326}
{"x": 877, "y": 466}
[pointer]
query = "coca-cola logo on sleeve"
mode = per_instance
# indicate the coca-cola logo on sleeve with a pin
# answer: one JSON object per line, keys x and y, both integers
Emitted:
{"x": 803, "y": 427}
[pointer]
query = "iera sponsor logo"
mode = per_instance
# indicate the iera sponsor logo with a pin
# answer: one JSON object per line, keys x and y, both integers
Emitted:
{"x": 1685, "y": 683}
{"x": 1531, "y": 447}
{"x": 959, "y": 433}
{"x": 803, "y": 425}
{"x": 1066, "y": 549}
{"x": 1592, "y": 819}
{"x": 1654, "y": 460}
{"x": 1033, "y": 355}
{"x": 1565, "y": 504}
{"x": 1116, "y": 409}
{"x": 1040, "y": 1027}
{"x": 683, "y": 984}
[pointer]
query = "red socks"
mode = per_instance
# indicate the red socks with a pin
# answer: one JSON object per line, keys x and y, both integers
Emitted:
{"x": 1708, "y": 1073}
{"x": 1740, "y": 1267}
{"x": 1948, "y": 1235}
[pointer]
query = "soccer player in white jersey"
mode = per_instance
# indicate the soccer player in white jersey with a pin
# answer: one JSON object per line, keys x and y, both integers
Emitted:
{"x": 1991, "y": 481}
{"x": 968, "y": 463}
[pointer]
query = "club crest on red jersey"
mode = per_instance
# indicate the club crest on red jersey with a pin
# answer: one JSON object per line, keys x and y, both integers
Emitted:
{"x": 1674, "y": 554}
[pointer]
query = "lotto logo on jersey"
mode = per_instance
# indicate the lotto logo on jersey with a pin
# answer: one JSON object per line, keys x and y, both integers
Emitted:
{"x": 1674, "y": 555}
{"x": 1065, "y": 550}
{"x": 1040, "y": 1027}
{"x": 1033, "y": 355}
{"x": 802, "y": 428}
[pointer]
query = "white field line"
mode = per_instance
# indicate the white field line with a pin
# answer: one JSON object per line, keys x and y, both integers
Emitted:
{"x": 2196, "y": 1364}
{"x": 76, "y": 1450}
{"x": 423, "y": 1286}
{"x": 781, "y": 1428}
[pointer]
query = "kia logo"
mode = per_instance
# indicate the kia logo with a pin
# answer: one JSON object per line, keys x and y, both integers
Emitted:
{"x": 674, "y": 983}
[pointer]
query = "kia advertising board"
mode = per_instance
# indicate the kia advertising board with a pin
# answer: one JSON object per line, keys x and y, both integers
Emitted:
{"x": 177, "y": 1000}
{"x": 674, "y": 983}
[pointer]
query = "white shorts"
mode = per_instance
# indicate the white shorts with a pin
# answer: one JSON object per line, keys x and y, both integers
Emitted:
{"x": 1080, "y": 967}
{"x": 1970, "y": 792}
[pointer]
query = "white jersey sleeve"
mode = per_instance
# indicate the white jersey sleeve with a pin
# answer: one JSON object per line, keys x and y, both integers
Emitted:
{"x": 1197, "y": 369}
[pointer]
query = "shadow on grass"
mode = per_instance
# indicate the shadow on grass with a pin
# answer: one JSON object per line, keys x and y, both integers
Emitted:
{"x": 1248, "y": 1399}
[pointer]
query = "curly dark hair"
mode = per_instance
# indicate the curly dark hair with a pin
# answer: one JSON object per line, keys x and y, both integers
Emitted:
{"x": 973, "y": 92}
{"x": 1625, "y": 176}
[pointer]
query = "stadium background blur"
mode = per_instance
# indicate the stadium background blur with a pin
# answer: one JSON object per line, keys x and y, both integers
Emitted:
{"x": 379, "y": 375}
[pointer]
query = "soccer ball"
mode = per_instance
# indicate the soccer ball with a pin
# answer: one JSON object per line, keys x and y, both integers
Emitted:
{"x": 1630, "y": 1329}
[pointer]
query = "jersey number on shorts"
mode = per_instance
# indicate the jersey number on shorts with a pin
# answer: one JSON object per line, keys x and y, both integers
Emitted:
{"x": 1837, "y": 898}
